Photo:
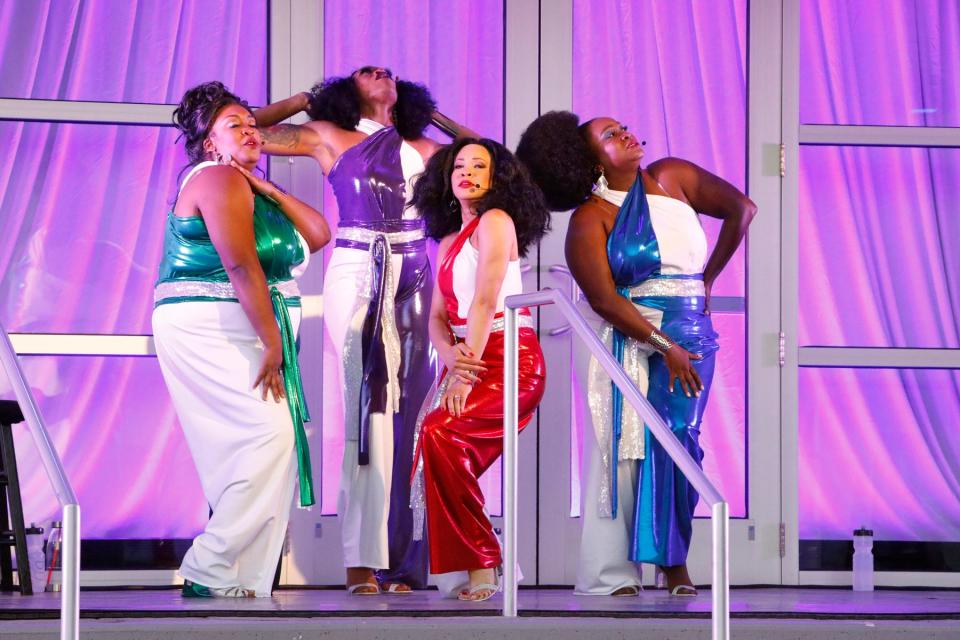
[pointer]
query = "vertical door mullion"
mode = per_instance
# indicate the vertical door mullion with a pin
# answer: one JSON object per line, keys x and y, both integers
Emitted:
{"x": 789, "y": 291}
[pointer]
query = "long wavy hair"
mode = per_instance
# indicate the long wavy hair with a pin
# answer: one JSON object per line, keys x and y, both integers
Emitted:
{"x": 511, "y": 189}
{"x": 554, "y": 149}
{"x": 337, "y": 100}
{"x": 197, "y": 112}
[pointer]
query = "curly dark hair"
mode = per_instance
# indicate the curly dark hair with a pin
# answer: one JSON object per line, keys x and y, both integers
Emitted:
{"x": 197, "y": 112}
{"x": 555, "y": 150}
{"x": 511, "y": 190}
{"x": 338, "y": 101}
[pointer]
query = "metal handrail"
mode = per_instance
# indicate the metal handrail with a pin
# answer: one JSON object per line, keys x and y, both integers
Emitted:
{"x": 70, "y": 545}
{"x": 720, "y": 588}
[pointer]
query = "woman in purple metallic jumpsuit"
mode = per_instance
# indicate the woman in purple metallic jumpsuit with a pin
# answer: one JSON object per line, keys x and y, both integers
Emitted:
{"x": 366, "y": 132}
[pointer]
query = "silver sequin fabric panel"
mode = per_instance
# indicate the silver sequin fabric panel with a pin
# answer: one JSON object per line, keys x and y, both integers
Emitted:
{"x": 208, "y": 289}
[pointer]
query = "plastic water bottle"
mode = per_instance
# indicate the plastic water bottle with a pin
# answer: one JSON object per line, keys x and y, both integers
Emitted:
{"x": 38, "y": 577}
{"x": 863, "y": 559}
{"x": 53, "y": 560}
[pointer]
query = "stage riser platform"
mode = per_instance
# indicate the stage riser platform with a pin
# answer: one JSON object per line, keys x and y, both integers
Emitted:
{"x": 479, "y": 629}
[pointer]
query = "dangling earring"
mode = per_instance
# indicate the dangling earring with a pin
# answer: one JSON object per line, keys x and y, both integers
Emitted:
{"x": 454, "y": 205}
{"x": 601, "y": 185}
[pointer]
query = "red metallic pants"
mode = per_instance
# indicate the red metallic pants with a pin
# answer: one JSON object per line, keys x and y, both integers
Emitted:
{"x": 456, "y": 452}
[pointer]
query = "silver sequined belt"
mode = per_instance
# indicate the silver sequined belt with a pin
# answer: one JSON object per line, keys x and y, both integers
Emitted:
{"x": 460, "y": 330}
{"x": 669, "y": 287}
{"x": 207, "y": 289}
{"x": 358, "y": 234}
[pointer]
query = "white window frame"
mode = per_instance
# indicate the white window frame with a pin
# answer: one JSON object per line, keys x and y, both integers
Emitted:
{"x": 796, "y": 134}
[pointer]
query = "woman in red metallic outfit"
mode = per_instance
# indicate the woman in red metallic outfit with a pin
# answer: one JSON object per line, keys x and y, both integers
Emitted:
{"x": 479, "y": 201}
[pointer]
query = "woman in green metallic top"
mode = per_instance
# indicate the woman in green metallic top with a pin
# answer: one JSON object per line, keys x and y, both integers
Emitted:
{"x": 225, "y": 321}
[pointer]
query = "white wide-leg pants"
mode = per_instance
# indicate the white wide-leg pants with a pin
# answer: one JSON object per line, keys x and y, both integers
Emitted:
{"x": 363, "y": 503}
{"x": 242, "y": 445}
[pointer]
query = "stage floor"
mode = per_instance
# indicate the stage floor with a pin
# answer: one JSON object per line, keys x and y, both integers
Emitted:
{"x": 757, "y": 603}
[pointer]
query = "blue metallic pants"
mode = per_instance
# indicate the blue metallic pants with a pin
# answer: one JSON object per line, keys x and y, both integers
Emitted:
{"x": 663, "y": 518}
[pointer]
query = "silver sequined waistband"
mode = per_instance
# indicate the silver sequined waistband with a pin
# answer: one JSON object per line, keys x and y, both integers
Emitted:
{"x": 207, "y": 289}
{"x": 460, "y": 330}
{"x": 669, "y": 287}
{"x": 357, "y": 234}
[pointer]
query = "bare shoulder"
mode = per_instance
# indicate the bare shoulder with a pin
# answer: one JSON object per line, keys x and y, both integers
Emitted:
{"x": 592, "y": 217}
{"x": 671, "y": 168}
{"x": 426, "y": 146}
{"x": 495, "y": 221}
{"x": 219, "y": 178}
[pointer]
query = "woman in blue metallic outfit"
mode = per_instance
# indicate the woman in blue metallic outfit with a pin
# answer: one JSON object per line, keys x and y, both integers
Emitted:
{"x": 653, "y": 298}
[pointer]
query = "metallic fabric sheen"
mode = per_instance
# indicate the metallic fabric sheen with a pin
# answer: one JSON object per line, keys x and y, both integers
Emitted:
{"x": 663, "y": 520}
{"x": 370, "y": 188}
{"x": 189, "y": 254}
{"x": 293, "y": 386}
{"x": 457, "y": 451}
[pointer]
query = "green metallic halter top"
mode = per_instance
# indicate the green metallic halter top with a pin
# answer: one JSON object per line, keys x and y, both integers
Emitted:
{"x": 191, "y": 269}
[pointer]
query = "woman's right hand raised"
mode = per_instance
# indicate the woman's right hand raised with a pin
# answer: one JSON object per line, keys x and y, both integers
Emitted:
{"x": 270, "y": 376}
{"x": 462, "y": 363}
{"x": 681, "y": 368}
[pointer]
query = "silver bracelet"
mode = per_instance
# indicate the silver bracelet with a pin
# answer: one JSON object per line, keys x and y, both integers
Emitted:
{"x": 659, "y": 341}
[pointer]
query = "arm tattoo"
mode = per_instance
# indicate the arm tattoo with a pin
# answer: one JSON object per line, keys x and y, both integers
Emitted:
{"x": 284, "y": 135}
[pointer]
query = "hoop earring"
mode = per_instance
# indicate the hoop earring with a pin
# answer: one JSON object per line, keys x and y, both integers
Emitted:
{"x": 601, "y": 185}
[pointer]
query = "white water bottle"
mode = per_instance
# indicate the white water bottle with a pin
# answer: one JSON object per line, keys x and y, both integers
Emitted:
{"x": 38, "y": 576}
{"x": 863, "y": 559}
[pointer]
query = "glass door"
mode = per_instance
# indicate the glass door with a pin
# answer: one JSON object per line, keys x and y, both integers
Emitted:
{"x": 689, "y": 101}
{"x": 871, "y": 288}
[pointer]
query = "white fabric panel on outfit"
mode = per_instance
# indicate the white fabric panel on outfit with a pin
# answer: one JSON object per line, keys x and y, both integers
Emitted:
{"x": 465, "y": 279}
{"x": 242, "y": 445}
{"x": 604, "y": 564}
{"x": 682, "y": 242}
{"x": 363, "y": 502}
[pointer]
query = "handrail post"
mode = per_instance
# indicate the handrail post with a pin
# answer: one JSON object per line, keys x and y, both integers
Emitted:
{"x": 720, "y": 588}
{"x": 70, "y": 544}
{"x": 511, "y": 380}
{"x": 654, "y": 422}
{"x": 70, "y": 593}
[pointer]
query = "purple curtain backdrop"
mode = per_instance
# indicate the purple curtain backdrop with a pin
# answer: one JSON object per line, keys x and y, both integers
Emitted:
{"x": 884, "y": 219}
{"x": 82, "y": 207}
{"x": 82, "y": 226}
{"x": 880, "y": 63}
{"x": 121, "y": 445}
{"x": 128, "y": 51}
{"x": 879, "y": 267}
{"x": 455, "y": 49}
{"x": 879, "y": 448}
{"x": 675, "y": 72}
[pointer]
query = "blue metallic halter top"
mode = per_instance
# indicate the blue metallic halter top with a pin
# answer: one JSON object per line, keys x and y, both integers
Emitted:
{"x": 634, "y": 257}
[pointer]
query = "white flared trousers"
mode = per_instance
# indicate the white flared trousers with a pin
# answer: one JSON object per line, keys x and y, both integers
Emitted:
{"x": 242, "y": 445}
{"x": 363, "y": 503}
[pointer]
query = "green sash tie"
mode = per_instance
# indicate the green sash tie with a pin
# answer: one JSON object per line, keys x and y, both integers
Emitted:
{"x": 293, "y": 385}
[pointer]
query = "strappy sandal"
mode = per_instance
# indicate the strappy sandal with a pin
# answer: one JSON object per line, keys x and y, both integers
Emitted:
{"x": 683, "y": 591}
{"x": 467, "y": 594}
{"x": 372, "y": 589}
{"x": 627, "y": 591}
{"x": 396, "y": 589}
